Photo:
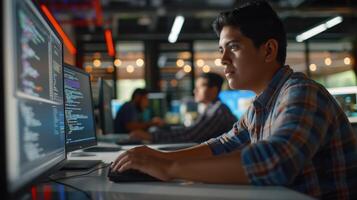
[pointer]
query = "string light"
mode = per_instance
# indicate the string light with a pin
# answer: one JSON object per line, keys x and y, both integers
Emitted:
{"x": 312, "y": 67}
{"x": 117, "y": 62}
{"x": 206, "y": 69}
{"x": 187, "y": 68}
{"x": 180, "y": 63}
{"x": 200, "y": 63}
{"x": 140, "y": 62}
{"x": 130, "y": 69}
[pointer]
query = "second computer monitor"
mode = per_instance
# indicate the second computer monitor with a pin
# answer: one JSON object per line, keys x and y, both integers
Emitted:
{"x": 80, "y": 122}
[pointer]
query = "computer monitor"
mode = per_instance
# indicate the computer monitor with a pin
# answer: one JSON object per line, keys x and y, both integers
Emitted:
{"x": 346, "y": 97}
{"x": 80, "y": 122}
{"x": 32, "y": 109}
{"x": 237, "y": 100}
{"x": 157, "y": 104}
{"x": 106, "y": 95}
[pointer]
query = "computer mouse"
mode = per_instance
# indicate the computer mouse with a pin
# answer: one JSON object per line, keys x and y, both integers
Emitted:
{"x": 130, "y": 175}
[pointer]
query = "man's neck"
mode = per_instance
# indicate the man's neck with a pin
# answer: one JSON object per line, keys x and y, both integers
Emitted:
{"x": 265, "y": 80}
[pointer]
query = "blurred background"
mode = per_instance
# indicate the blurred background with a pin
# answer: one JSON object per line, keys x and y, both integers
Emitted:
{"x": 125, "y": 44}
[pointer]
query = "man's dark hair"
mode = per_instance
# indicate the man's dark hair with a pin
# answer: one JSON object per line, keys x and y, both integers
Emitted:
{"x": 139, "y": 92}
{"x": 213, "y": 80}
{"x": 258, "y": 21}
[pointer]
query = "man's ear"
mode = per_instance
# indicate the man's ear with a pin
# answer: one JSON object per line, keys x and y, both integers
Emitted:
{"x": 271, "y": 50}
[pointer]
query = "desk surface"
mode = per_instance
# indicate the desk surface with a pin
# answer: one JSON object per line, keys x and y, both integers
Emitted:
{"x": 99, "y": 187}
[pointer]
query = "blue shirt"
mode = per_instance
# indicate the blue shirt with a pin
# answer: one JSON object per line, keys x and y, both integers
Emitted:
{"x": 126, "y": 114}
{"x": 295, "y": 134}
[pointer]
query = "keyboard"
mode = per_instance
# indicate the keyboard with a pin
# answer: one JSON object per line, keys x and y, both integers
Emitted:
{"x": 102, "y": 149}
{"x": 80, "y": 164}
{"x": 130, "y": 175}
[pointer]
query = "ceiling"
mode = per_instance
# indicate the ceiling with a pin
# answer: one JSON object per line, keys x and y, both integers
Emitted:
{"x": 152, "y": 19}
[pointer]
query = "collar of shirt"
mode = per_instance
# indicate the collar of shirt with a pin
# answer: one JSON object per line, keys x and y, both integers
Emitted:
{"x": 264, "y": 100}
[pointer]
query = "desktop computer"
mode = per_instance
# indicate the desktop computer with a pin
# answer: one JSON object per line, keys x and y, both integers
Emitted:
{"x": 80, "y": 123}
{"x": 32, "y": 109}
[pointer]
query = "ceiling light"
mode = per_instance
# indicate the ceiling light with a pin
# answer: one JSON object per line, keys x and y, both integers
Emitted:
{"x": 318, "y": 29}
{"x": 176, "y": 28}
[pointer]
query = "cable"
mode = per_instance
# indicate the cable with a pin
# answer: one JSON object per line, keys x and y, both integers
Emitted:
{"x": 79, "y": 175}
{"x": 73, "y": 187}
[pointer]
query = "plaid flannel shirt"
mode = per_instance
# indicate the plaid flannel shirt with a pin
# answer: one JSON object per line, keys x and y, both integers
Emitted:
{"x": 295, "y": 134}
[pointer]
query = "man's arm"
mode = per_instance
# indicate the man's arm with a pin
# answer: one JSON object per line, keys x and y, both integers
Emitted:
{"x": 225, "y": 169}
{"x": 196, "y": 163}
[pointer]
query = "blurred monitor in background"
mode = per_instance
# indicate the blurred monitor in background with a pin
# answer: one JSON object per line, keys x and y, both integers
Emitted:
{"x": 237, "y": 100}
{"x": 116, "y": 105}
{"x": 106, "y": 95}
{"x": 347, "y": 98}
{"x": 157, "y": 105}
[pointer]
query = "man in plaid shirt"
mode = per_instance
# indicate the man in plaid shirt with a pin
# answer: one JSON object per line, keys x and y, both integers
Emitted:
{"x": 294, "y": 134}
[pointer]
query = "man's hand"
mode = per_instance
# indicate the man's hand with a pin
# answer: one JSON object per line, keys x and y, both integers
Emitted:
{"x": 146, "y": 160}
{"x": 141, "y": 135}
{"x": 157, "y": 121}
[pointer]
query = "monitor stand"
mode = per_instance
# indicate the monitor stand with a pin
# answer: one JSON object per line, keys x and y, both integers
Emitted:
{"x": 80, "y": 164}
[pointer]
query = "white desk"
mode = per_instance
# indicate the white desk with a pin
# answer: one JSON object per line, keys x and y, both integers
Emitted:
{"x": 99, "y": 187}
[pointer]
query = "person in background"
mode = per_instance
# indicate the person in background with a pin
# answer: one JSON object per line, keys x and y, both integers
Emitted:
{"x": 215, "y": 120}
{"x": 130, "y": 115}
{"x": 294, "y": 134}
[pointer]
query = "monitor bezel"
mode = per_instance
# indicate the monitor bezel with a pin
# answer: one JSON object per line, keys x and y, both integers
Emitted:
{"x": 89, "y": 143}
{"x": 23, "y": 189}
{"x": 3, "y": 190}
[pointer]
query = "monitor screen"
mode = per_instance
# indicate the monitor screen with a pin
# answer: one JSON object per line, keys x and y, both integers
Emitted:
{"x": 346, "y": 97}
{"x": 238, "y": 101}
{"x": 80, "y": 124}
{"x": 32, "y": 95}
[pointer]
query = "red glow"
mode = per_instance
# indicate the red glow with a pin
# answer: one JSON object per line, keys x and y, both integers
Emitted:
{"x": 33, "y": 193}
{"x": 67, "y": 42}
{"x": 47, "y": 190}
{"x": 98, "y": 12}
{"x": 109, "y": 40}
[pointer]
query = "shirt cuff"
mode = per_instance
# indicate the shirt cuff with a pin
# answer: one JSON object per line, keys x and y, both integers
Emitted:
{"x": 216, "y": 146}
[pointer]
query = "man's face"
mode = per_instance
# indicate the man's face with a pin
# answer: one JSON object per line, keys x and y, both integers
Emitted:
{"x": 203, "y": 93}
{"x": 244, "y": 63}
